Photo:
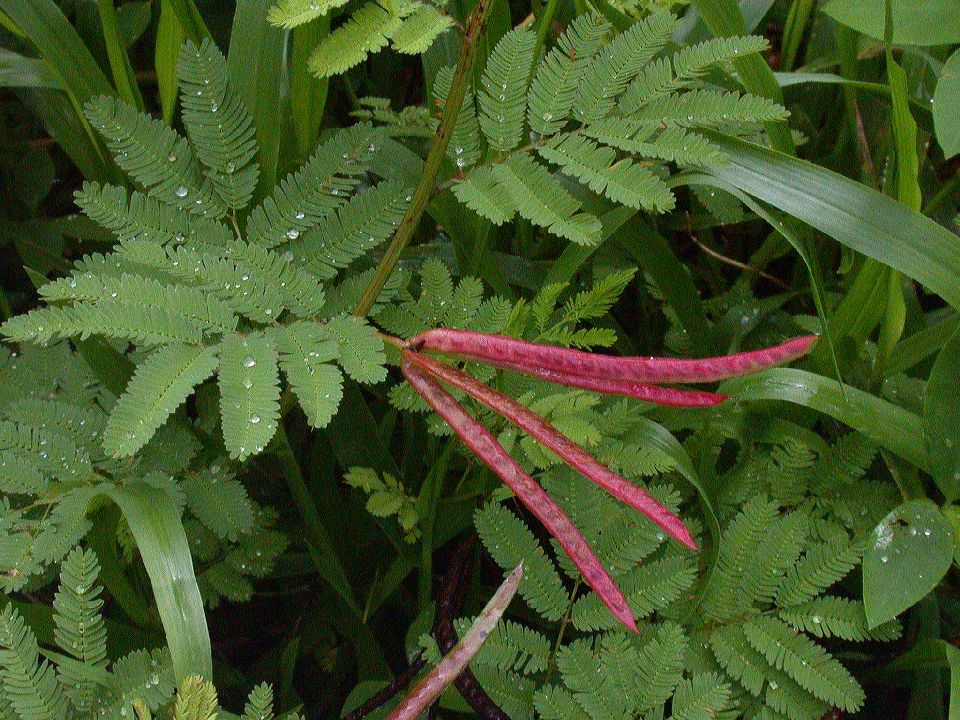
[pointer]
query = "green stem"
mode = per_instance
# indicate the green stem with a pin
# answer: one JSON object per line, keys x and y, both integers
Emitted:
{"x": 424, "y": 190}
{"x": 123, "y": 76}
{"x": 943, "y": 194}
{"x": 544, "y": 21}
{"x": 321, "y": 546}
{"x": 427, "y": 509}
{"x": 797, "y": 21}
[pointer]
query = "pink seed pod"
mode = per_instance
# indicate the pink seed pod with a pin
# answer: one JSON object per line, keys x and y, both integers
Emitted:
{"x": 485, "y": 446}
{"x": 655, "y": 394}
{"x": 455, "y": 661}
{"x": 548, "y": 436}
{"x": 529, "y": 356}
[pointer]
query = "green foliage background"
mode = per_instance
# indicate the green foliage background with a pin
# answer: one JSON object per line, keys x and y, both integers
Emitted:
{"x": 217, "y": 497}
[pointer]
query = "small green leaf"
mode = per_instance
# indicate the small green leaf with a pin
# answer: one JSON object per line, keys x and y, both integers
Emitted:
{"x": 946, "y": 107}
{"x": 909, "y": 552}
{"x": 942, "y": 417}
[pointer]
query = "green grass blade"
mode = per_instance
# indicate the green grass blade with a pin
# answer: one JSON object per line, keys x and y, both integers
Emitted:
{"x": 308, "y": 94}
{"x": 194, "y": 27}
{"x": 155, "y": 524}
{"x": 60, "y": 45}
{"x": 170, "y": 38}
{"x": 942, "y": 416}
{"x": 256, "y": 67}
{"x": 899, "y": 431}
{"x": 123, "y": 76}
{"x": 851, "y": 213}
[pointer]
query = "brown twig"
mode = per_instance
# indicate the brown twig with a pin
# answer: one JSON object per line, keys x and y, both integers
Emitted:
{"x": 730, "y": 261}
{"x": 382, "y": 697}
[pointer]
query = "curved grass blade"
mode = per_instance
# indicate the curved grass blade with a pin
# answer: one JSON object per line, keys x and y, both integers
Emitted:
{"x": 899, "y": 431}
{"x": 795, "y": 241}
{"x": 155, "y": 523}
{"x": 850, "y": 213}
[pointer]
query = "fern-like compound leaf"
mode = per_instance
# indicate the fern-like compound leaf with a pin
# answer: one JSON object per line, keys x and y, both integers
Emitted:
{"x": 367, "y": 30}
{"x": 624, "y": 181}
{"x": 259, "y": 705}
{"x": 709, "y": 108}
{"x": 160, "y": 384}
{"x": 361, "y": 352}
{"x": 672, "y": 144}
{"x": 685, "y": 66}
{"x": 196, "y": 700}
{"x": 480, "y": 191}
{"x": 508, "y": 541}
{"x": 618, "y": 63}
{"x": 153, "y": 155}
{"x": 648, "y": 588}
{"x": 29, "y": 684}
{"x": 831, "y": 616}
{"x": 557, "y": 78}
{"x": 218, "y": 124}
{"x": 554, "y": 702}
{"x": 539, "y": 198}
{"x": 146, "y": 218}
{"x": 289, "y": 14}
{"x": 200, "y": 307}
{"x": 743, "y": 539}
{"x": 738, "y": 658}
{"x": 249, "y": 393}
{"x": 111, "y": 318}
{"x": 311, "y": 193}
{"x": 812, "y": 667}
{"x": 419, "y": 30}
{"x": 512, "y": 647}
{"x": 143, "y": 675}
{"x": 464, "y": 146}
{"x": 440, "y": 304}
{"x": 701, "y": 697}
{"x": 306, "y": 352}
{"x": 78, "y": 625}
{"x": 354, "y": 230}
{"x": 823, "y": 565}
{"x": 220, "y": 502}
{"x": 503, "y": 96}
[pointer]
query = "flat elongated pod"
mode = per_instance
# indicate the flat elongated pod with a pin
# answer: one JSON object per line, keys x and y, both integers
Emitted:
{"x": 455, "y": 661}
{"x": 548, "y": 436}
{"x": 522, "y": 354}
{"x": 485, "y": 446}
{"x": 671, "y": 397}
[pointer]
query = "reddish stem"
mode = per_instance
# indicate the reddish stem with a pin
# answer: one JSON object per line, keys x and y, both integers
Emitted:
{"x": 548, "y": 436}
{"x": 536, "y": 357}
{"x": 485, "y": 446}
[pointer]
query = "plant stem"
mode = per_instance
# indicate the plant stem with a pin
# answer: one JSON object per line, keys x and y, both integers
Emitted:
{"x": 424, "y": 189}
{"x": 797, "y": 21}
{"x": 320, "y": 545}
{"x": 544, "y": 21}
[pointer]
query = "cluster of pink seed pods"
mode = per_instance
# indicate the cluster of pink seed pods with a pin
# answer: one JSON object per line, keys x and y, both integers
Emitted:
{"x": 637, "y": 377}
